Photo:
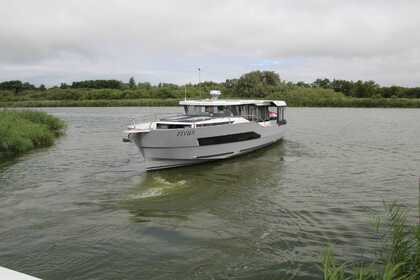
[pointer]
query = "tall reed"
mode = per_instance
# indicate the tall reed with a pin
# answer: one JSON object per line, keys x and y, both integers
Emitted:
{"x": 398, "y": 256}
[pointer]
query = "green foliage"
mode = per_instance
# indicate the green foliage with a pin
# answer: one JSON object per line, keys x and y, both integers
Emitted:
{"x": 98, "y": 84}
{"x": 22, "y": 131}
{"x": 132, "y": 83}
{"x": 256, "y": 84}
{"x": 398, "y": 257}
{"x": 366, "y": 89}
{"x": 53, "y": 124}
{"x": 323, "y": 83}
{"x": 16, "y": 86}
{"x": 315, "y": 97}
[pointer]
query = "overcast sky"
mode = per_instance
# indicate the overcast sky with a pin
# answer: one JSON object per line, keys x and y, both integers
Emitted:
{"x": 51, "y": 41}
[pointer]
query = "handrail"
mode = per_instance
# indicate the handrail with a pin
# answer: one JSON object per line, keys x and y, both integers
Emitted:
{"x": 151, "y": 118}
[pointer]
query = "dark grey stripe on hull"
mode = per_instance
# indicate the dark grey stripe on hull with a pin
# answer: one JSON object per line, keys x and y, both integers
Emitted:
{"x": 228, "y": 138}
{"x": 175, "y": 147}
{"x": 216, "y": 155}
{"x": 166, "y": 166}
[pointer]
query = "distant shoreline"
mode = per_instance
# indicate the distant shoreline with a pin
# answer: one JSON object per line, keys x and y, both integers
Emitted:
{"x": 152, "y": 102}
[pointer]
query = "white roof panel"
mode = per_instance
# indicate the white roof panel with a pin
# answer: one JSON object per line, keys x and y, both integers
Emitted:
{"x": 232, "y": 102}
{"x": 279, "y": 103}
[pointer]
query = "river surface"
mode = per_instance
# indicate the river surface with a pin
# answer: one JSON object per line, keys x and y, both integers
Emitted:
{"x": 85, "y": 209}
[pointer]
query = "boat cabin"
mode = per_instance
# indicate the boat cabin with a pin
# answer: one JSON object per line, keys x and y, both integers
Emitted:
{"x": 252, "y": 110}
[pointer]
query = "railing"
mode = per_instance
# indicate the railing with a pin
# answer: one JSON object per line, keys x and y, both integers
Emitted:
{"x": 151, "y": 118}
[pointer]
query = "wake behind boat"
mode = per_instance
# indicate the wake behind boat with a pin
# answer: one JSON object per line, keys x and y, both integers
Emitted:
{"x": 210, "y": 129}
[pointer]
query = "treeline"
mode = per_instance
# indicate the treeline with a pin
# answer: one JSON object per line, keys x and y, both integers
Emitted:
{"x": 364, "y": 89}
{"x": 256, "y": 84}
{"x": 19, "y": 86}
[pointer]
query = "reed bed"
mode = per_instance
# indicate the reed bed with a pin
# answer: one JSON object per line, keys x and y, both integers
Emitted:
{"x": 398, "y": 257}
{"x": 22, "y": 131}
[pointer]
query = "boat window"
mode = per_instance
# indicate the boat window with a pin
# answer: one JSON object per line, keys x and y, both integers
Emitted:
{"x": 172, "y": 126}
{"x": 210, "y": 109}
{"x": 195, "y": 110}
{"x": 272, "y": 113}
{"x": 262, "y": 113}
{"x": 229, "y": 138}
{"x": 281, "y": 115}
{"x": 241, "y": 111}
{"x": 244, "y": 110}
{"x": 248, "y": 112}
{"x": 235, "y": 110}
{"x": 212, "y": 124}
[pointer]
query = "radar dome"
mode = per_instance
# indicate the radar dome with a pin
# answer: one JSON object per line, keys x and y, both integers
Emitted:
{"x": 215, "y": 94}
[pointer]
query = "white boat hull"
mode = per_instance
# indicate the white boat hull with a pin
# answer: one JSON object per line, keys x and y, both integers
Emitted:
{"x": 179, "y": 147}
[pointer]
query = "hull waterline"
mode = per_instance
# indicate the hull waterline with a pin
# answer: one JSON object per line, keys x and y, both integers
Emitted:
{"x": 154, "y": 165}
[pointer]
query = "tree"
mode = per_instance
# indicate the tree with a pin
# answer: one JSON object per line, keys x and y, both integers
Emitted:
{"x": 257, "y": 84}
{"x": 145, "y": 85}
{"x": 42, "y": 87}
{"x": 302, "y": 84}
{"x": 323, "y": 83}
{"x": 364, "y": 89}
{"x": 342, "y": 86}
{"x": 98, "y": 84}
{"x": 132, "y": 83}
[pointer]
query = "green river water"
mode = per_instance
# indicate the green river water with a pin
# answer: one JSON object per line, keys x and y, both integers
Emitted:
{"x": 85, "y": 209}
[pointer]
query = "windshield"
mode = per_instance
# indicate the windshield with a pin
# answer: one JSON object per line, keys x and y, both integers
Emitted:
{"x": 217, "y": 111}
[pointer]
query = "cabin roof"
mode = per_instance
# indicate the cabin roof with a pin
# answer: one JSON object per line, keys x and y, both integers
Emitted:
{"x": 232, "y": 102}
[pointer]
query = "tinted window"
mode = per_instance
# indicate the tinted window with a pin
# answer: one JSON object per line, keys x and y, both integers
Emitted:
{"x": 230, "y": 138}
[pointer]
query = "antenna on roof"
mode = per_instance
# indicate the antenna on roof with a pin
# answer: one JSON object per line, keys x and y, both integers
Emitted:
{"x": 199, "y": 80}
{"x": 185, "y": 92}
{"x": 215, "y": 94}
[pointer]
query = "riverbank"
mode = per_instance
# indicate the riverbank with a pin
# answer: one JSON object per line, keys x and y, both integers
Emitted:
{"x": 292, "y": 102}
{"x": 22, "y": 131}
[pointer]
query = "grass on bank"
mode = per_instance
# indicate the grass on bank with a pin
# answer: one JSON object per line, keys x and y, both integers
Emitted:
{"x": 398, "y": 256}
{"x": 22, "y": 131}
